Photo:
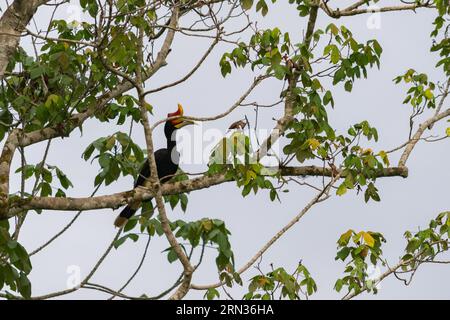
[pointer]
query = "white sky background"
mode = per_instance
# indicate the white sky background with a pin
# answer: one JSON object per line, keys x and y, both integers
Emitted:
{"x": 406, "y": 203}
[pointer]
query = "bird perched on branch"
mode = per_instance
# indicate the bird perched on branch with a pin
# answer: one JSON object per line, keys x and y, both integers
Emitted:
{"x": 167, "y": 160}
{"x": 240, "y": 124}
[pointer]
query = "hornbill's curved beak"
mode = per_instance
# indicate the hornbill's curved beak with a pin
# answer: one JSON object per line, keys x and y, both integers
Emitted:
{"x": 179, "y": 122}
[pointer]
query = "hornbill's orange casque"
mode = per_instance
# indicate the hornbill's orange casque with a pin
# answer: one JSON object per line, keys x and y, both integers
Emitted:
{"x": 166, "y": 163}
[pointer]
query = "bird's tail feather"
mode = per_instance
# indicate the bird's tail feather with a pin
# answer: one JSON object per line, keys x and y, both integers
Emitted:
{"x": 123, "y": 217}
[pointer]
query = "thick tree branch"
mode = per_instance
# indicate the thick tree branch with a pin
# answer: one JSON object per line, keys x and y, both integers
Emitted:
{"x": 141, "y": 194}
{"x": 154, "y": 180}
{"x": 288, "y": 116}
{"x": 6, "y": 157}
{"x": 12, "y": 23}
{"x": 355, "y": 9}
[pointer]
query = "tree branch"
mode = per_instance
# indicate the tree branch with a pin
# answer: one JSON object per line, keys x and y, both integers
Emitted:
{"x": 354, "y": 9}
{"x": 12, "y": 23}
{"x": 117, "y": 200}
{"x": 277, "y": 236}
{"x": 154, "y": 180}
{"x": 417, "y": 136}
{"x": 283, "y": 122}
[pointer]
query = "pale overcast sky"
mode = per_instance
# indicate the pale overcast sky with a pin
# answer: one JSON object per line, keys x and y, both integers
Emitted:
{"x": 406, "y": 203}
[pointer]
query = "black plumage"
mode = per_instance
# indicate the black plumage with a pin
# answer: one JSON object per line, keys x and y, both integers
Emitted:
{"x": 167, "y": 160}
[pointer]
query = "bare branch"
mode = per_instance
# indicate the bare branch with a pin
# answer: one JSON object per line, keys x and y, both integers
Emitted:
{"x": 190, "y": 73}
{"x": 354, "y": 9}
{"x": 422, "y": 127}
{"x": 277, "y": 236}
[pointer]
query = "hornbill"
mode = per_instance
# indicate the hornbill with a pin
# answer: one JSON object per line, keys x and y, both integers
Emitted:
{"x": 166, "y": 162}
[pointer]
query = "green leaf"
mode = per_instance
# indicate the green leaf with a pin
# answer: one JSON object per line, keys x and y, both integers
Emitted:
{"x": 36, "y": 72}
{"x": 429, "y": 94}
{"x": 246, "y": 4}
{"x": 52, "y": 99}
{"x": 345, "y": 238}
{"x": 183, "y": 201}
{"x": 225, "y": 67}
{"x": 348, "y": 86}
{"x": 261, "y": 5}
{"x": 327, "y": 98}
{"x": 46, "y": 175}
{"x": 341, "y": 190}
{"x": 368, "y": 239}
{"x": 339, "y": 75}
{"x": 27, "y": 170}
{"x": 110, "y": 143}
{"x": 273, "y": 195}
{"x": 377, "y": 47}
{"x": 130, "y": 224}
{"x": 65, "y": 182}
{"x": 172, "y": 256}
{"x": 121, "y": 240}
{"x": 280, "y": 72}
{"x": 343, "y": 253}
{"x": 46, "y": 189}
{"x": 334, "y": 30}
{"x": 335, "y": 55}
{"x": 88, "y": 152}
{"x": 24, "y": 286}
{"x": 338, "y": 285}
{"x": 211, "y": 293}
{"x": 60, "y": 194}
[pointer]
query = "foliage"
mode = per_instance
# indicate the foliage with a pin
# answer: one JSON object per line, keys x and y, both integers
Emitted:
{"x": 358, "y": 247}
{"x": 425, "y": 245}
{"x": 180, "y": 198}
{"x": 202, "y": 233}
{"x": 421, "y": 91}
{"x": 208, "y": 231}
{"x": 279, "y": 282}
{"x": 234, "y": 156}
{"x": 44, "y": 174}
{"x": 421, "y": 247}
{"x": 15, "y": 263}
{"x": 117, "y": 154}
